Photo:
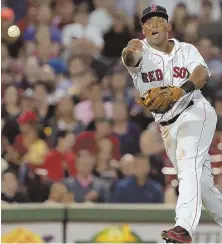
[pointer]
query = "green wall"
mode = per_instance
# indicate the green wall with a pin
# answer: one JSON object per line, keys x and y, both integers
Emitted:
{"x": 91, "y": 213}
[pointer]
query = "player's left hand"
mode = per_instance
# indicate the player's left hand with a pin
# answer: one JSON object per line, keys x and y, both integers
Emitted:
{"x": 161, "y": 99}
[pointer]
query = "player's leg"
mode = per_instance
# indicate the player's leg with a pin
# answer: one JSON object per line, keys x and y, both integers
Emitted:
{"x": 194, "y": 136}
{"x": 212, "y": 198}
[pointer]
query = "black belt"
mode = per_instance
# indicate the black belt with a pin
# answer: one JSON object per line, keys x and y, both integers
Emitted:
{"x": 171, "y": 121}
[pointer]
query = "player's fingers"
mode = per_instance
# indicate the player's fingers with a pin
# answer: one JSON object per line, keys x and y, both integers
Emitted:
{"x": 135, "y": 48}
{"x": 136, "y": 43}
{"x": 131, "y": 49}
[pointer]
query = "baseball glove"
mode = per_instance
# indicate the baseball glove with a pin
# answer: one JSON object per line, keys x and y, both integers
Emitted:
{"x": 161, "y": 99}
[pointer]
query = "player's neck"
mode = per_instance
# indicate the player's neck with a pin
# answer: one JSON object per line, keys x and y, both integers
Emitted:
{"x": 166, "y": 47}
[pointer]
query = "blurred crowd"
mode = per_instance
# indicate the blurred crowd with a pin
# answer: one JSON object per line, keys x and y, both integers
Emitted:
{"x": 71, "y": 130}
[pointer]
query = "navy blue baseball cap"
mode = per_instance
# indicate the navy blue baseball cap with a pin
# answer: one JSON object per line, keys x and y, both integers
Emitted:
{"x": 153, "y": 10}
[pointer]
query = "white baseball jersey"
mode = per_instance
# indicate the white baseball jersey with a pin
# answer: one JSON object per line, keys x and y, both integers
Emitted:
{"x": 158, "y": 69}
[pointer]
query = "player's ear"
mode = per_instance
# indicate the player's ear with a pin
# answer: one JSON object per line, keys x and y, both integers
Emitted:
{"x": 145, "y": 29}
{"x": 169, "y": 27}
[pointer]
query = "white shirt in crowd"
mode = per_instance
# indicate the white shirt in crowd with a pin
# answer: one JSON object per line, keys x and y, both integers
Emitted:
{"x": 101, "y": 19}
{"x": 78, "y": 31}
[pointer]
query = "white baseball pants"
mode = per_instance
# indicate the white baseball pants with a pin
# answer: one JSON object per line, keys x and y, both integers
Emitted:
{"x": 187, "y": 143}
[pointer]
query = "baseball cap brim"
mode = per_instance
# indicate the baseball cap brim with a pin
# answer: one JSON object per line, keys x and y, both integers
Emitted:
{"x": 147, "y": 16}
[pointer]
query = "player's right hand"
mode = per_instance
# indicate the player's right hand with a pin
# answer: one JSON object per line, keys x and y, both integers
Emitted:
{"x": 135, "y": 45}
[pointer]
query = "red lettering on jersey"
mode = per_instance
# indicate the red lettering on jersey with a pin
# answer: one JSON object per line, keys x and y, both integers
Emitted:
{"x": 180, "y": 72}
{"x": 183, "y": 73}
{"x": 159, "y": 74}
{"x": 145, "y": 78}
{"x": 176, "y": 71}
{"x": 151, "y": 76}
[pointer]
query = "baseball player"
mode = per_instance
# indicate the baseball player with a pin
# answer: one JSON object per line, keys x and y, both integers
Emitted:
{"x": 169, "y": 75}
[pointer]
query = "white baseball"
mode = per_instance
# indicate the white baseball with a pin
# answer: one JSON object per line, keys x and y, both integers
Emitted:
{"x": 13, "y": 31}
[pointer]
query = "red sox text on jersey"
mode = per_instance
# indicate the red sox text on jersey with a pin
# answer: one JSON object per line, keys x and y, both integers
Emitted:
{"x": 157, "y": 75}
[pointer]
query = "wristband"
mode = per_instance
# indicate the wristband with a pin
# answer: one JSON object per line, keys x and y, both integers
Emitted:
{"x": 188, "y": 86}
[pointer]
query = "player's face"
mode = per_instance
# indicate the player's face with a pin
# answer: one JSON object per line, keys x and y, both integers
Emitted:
{"x": 156, "y": 30}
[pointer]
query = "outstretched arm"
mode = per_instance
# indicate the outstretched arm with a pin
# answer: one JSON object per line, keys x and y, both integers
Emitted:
{"x": 132, "y": 54}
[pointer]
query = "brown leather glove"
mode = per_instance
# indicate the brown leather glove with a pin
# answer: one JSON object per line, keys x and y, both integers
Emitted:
{"x": 161, "y": 99}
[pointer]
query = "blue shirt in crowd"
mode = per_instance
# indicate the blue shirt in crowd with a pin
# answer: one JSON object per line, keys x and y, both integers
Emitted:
{"x": 129, "y": 141}
{"x": 128, "y": 191}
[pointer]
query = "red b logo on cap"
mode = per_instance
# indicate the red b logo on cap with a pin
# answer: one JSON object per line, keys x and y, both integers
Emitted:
{"x": 153, "y": 7}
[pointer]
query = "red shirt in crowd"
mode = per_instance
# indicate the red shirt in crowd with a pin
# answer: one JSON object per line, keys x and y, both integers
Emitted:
{"x": 87, "y": 141}
{"x": 19, "y": 146}
{"x": 56, "y": 163}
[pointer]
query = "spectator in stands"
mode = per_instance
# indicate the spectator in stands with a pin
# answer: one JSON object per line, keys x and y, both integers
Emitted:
{"x": 127, "y": 165}
{"x": 31, "y": 73}
{"x": 44, "y": 110}
{"x": 205, "y": 47}
{"x": 142, "y": 117}
{"x": 10, "y": 128}
{"x": 206, "y": 15}
{"x": 29, "y": 147}
{"x": 59, "y": 194}
{"x": 33, "y": 33}
{"x": 62, "y": 82}
{"x": 127, "y": 132}
{"x": 178, "y": 20}
{"x": 197, "y": 7}
{"x": 81, "y": 76}
{"x": 81, "y": 37}
{"x": 139, "y": 188}
{"x": 4, "y": 165}
{"x": 103, "y": 167}
{"x": 27, "y": 102}
{"x": 10, "y": 111}
{"x": 35, "y": 182}
{"x": 92, "y": 141}
{"x": 191, "y": 30}
{"x": 157, "y": 164}
{"x": 93, "y": 107}
{"x": 101, "y": 17}
{"x": 118, "y": 87}
{"x": 64, "y": 120}
{"x": 84, "y": 186}
{"x": 151, "y": 141}
{"x": 10, "y": 189}
{"x": 64, "y": 12}
{"x": 127, "y": 7}
{"x": 119, "y": 31}
{"x": 60, "y": 162}
{"x": 10, "y": 106}
{"x": 137, "y": 15}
